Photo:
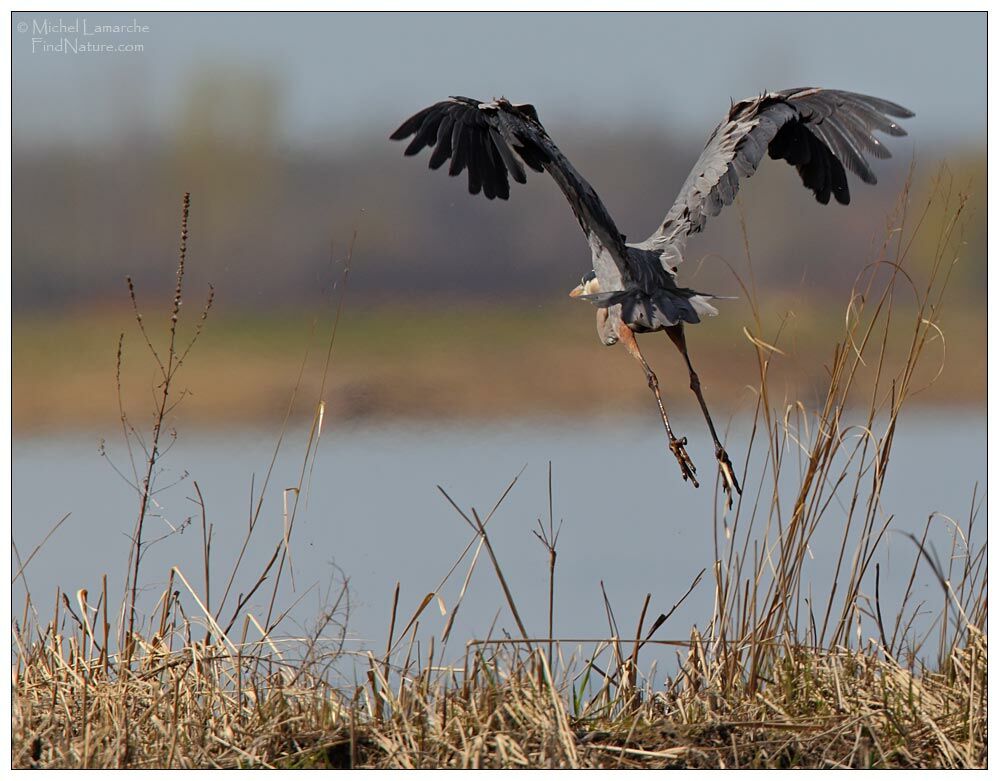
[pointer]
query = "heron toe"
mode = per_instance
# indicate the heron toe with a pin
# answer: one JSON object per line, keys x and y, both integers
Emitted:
{"x": 729, "y": 480}
{"x": 687, "y": 468}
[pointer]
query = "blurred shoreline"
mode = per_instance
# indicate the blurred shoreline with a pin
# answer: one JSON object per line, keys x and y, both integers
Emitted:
{"x": 432, "y": 363}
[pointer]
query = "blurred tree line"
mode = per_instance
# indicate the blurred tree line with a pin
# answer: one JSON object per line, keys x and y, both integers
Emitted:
{"x": 270, "y": 223}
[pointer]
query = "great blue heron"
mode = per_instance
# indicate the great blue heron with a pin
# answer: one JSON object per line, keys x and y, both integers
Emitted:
{"x": 633, "y": 286}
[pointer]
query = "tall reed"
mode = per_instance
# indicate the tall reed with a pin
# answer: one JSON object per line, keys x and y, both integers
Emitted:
{"x": 802, "y": 663}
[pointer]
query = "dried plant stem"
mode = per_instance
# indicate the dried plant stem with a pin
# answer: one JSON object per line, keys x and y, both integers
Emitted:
{"x": 778, "y": 679}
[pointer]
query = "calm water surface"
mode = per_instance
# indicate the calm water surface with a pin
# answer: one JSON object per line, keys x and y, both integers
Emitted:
{"x": 371, "y": 513}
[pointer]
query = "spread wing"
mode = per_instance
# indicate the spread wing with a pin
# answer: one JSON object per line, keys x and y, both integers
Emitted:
{"x": 820, "y": 132}
{"x": 493, "y": 141}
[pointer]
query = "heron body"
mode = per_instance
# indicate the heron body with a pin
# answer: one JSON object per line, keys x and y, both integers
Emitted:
{"x": 822, "y": 133}
{"x": 654, "y": 306}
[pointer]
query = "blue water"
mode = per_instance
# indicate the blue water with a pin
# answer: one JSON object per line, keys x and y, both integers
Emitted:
{"x": 371, "y": 513}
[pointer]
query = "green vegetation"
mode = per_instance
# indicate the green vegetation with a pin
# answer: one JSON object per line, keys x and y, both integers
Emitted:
{"x": 784, "y": 674}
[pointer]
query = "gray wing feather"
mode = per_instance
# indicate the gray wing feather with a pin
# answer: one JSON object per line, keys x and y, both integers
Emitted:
{"x": 818, "y": 131}
{"x": 491, "y": 141}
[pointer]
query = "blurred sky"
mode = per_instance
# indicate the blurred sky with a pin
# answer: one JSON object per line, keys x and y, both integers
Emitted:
{"x": 341, "y": 74}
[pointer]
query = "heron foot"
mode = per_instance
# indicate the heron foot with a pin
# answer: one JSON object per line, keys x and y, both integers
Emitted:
{"x": 687, "y": 468}
{"x": 729, "y": 481}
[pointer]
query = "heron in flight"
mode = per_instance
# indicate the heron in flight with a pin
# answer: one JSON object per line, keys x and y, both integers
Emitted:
{"x": 821, "y": 132}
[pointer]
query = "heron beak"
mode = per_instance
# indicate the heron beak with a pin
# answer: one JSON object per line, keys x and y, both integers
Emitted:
{"x": 577, "y": 291}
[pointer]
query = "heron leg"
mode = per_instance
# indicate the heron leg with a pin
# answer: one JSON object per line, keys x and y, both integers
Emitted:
{"x": 677, "y": 446}
{"x": 729, "y": 481}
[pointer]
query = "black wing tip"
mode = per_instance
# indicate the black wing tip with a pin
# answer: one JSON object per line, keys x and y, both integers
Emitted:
{"x": 412, "y": 125}
{"x": 466, "y": 132}
{"x": 895, "y": 109}
{"x": 886, "y": 107}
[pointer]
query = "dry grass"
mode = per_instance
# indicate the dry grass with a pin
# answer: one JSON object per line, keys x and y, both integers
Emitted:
{"x": 789, "y": 672}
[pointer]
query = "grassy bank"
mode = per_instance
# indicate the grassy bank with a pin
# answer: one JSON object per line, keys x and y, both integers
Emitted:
{"x": 445, "y": 360}
{"x": 785, "y": 672}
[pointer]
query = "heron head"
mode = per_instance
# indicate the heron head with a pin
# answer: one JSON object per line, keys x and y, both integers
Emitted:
{"x": 587, "y": 286}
